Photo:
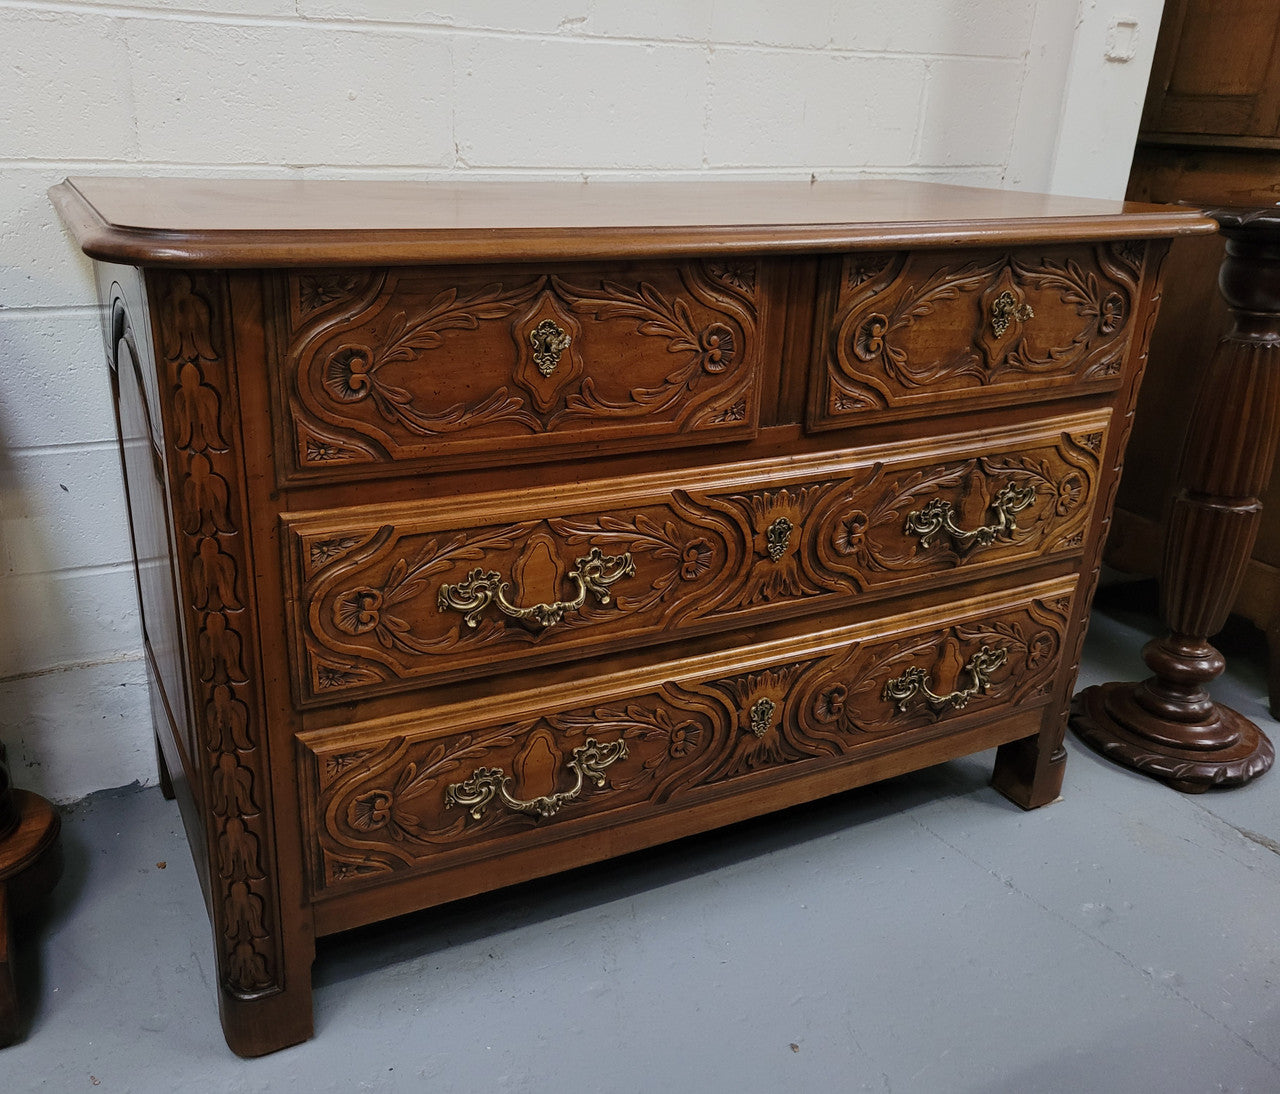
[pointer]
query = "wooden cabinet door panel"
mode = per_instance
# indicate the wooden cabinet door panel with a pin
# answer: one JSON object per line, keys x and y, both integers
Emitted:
{"x": 1216, "y": 70}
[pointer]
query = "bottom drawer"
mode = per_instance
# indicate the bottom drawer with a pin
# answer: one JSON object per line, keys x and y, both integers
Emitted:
{"x": 456, "y": 784}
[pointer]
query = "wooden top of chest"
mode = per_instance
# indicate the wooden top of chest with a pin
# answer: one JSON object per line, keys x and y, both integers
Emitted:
{"x": 291, "y": 222}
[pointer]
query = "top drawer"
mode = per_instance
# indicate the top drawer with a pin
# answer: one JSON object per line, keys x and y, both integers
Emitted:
{"x": 939, "y": 331}
{"x": 468, "y": 366}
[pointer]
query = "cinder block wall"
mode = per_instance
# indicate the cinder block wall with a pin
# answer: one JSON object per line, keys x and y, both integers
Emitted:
{"x": 975, "y": 91}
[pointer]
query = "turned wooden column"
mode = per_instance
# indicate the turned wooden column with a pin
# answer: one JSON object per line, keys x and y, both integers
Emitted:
{"x": 1168, "y": 726}
{"x": 30, "y": 862}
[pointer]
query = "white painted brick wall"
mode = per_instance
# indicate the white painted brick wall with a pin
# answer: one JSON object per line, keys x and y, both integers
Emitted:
{"x": 964, "y": 90}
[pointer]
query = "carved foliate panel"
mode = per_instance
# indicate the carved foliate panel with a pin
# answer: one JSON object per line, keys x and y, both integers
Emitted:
{"x": 424, "y": 798}
{"x": 210, "y": 515}
{"x": 946, "y": 327}
{"x": 460, "y": 364}
{"x": 433, "y": 593}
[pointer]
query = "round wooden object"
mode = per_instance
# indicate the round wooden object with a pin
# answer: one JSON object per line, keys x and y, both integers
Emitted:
{"x": 30, "y": 864}
{"x": 1110, "y": 719}
{"x": 31, "y": 856}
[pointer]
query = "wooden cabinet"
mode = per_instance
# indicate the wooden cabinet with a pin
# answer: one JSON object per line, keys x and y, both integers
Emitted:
{"x": 1216, "y": 70}
{"x": 484, "y": 531}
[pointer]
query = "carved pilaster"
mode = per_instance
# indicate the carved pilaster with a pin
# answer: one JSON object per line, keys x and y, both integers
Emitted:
{"x": 211, "y": 519}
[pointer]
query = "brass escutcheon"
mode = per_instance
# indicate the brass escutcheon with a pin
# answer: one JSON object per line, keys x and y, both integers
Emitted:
{"x": 777, "y": 538}
{"x": 1006, "y": 307}
{"x": 548, "y": 341}
{"x": 760, "y": 716}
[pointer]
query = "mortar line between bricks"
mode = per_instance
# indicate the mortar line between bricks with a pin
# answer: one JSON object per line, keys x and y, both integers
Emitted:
{"x": 99, "y": 569}
{"x": 44, "y": 311}
{"x": 76, "y": 666}
{"x": 239, "y": 19}
{"x": 44, "y": 450}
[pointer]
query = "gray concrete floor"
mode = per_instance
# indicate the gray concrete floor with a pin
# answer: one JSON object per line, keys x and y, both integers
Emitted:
{"x": 921, "y": 935}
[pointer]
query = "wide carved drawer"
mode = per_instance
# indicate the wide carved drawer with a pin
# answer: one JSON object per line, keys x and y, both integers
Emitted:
{"x": 436, "y": 789}
{"x": 946, "y": 329}
{"x": 476, "y": 365}
{"x": 390, "y": 597}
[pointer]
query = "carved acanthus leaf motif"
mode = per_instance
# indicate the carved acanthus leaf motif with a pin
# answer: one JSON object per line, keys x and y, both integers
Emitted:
{"x": 353, "y": 373}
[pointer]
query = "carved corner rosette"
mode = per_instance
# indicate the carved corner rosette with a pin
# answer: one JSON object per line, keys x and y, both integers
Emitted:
{"x": 210, "y": 515}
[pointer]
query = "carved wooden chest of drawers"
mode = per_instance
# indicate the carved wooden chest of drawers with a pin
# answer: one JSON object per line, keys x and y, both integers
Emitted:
{"x": 485, "y": 530}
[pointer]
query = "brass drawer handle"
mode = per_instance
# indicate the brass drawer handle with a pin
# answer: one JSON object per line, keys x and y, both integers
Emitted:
{"x": 487, "y": 783}
{"x": 593, "y": 574}
{"x": 1006, "y": 307}
{"x": 548, "y": 342}
{"x": 939, "y": 516}
{"x": 915, "y": 682}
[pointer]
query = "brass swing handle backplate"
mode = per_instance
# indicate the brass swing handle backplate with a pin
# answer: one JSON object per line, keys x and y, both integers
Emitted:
{"x": 938, "y": 516}
{"x": 486, "y": 784}
{"x": 593, "y": 574}
{"x": 915, "y": 683}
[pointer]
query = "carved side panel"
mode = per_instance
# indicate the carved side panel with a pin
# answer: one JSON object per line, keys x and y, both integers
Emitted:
{"x": 514, "y": 578}
{"x": 458, "y": 364}
{"x": 150, "y": 524}
{"x": 206, "y": 481}
{"x": 1153, "y": 255}
{"x": 948, "y": 327}
{"x": 422, "y": 799}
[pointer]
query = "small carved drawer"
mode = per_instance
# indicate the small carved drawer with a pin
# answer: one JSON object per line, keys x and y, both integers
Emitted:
{"x": 387, "y": 598}
{"x": 440, "y": 788}
{"x": 473, "y": 365}
{"x": 950, "y": 328}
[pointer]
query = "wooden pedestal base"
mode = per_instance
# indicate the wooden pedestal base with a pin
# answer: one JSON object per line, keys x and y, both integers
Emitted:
{"x": 1225, "y": 750}
{"x": 1168, "y": 726}
{"x": 30, "y": 864}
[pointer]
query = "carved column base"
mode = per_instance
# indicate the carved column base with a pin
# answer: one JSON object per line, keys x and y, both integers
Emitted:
{"x": 1222, "y": 750}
